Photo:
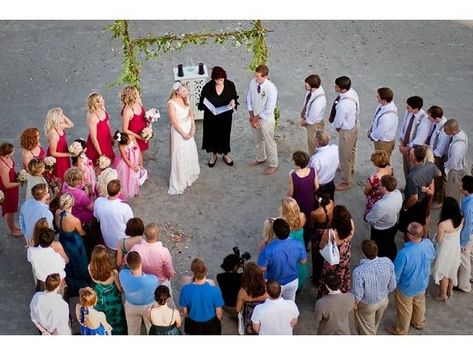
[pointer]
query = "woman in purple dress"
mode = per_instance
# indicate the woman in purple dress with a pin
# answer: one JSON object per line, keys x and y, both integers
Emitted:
{"x": 302, "y": 185}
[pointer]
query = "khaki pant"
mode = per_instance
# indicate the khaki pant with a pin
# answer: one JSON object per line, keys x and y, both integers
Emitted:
{"x": 265, "y": 144}
{"x": 368, "y": 316}
{"x": 454, "y": 182}
{"x": 135, "y": 315}
{"x": 439, "y": 193}
{"x": 409, "y": 310}
{"x": 464, "y": 271}
{"x": 347, "y": 153}
{"x": 311, "y": 128}
{"x": 388, "y": 147}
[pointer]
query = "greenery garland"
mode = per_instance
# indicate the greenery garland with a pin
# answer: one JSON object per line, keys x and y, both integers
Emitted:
{"x": 152, "y": 47}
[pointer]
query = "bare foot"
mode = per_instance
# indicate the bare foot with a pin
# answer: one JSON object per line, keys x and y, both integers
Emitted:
{"x": 342, "y": 186}
{"x": 256, "y": 162}
{"x": 270, "y": 170}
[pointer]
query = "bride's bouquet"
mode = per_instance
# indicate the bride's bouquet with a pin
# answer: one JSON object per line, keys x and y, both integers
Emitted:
{"x": 22, "y": 176}
{"x": 75, "y": 149}
{"x": 49, "y": 162}
{"x": 147, "y": 133}
{"x": 103, "y": 162}
{"x": 2, "y": 196}
{"x": 152, "y": 115}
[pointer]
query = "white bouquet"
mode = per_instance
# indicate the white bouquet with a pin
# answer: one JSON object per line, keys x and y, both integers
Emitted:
{"x": 49, "y": 162}
{"x": 22, "y": 176}
{"x": 75, "y": 149}
{"x": 147, "y": 133}
{"x": 152, "y": 115}
{"x": 2, "y": 196}
{"x": 103, "y": 162}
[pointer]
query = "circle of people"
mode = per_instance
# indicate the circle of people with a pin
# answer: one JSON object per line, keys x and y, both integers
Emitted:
{"x": 104, "y": 255}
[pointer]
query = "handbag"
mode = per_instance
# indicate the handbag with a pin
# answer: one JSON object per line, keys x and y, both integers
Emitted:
{"x": 241, "y": 324}
{"x": 330, "y": 251}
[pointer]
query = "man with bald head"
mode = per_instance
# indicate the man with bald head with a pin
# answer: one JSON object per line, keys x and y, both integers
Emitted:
{"x": 412, "y": 268}
{"x": 455, "y": 166}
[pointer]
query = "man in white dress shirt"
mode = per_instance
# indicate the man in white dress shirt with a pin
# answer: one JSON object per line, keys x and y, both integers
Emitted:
{"x": 455, "y": 166}
{"x": 438, "y": 140}
{"x": 383, "y": 218}
{"x": 325, "y": 161}
{"x": 261, "y": 102}
{"x": 344, "y": 118}
{"x": 113, "y": 214}
{"x": 384, "y": 124}
{"x": 313, "y": 110}
{"x": 414, "y": 129}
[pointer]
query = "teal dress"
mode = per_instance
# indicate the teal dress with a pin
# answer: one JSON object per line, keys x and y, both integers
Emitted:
{"x": 301, "y": 268}
{"x": 109, "y": 301}
{"x": 77, "y": 272}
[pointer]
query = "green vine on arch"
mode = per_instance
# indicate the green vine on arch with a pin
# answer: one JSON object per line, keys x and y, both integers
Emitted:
{"x": 151, "y": 47}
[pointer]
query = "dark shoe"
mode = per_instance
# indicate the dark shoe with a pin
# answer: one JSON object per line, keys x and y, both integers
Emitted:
{"x": 229, "y": 163}
{"x": 210, "y": 164}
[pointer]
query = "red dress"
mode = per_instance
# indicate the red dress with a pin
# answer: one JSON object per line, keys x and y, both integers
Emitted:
{"x": 105, "y": 141}
{"x": 62, "y": 164}
{"x": 136, "y": 124}
{"x": 41, "y": 154}
{"x": 10, "y": 204}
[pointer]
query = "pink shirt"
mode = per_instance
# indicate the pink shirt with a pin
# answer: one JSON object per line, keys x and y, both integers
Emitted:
{"x": 156, "y": 259}
{"x": 81, "y": 201}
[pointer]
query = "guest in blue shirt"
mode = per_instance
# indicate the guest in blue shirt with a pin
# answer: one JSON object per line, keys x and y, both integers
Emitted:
{"x": 34, "y": 209}
{"x": 412, "y": 268}
{"x": 201, "y": 303}
{"x": 138, "y": 289}
{"x": 466, "y": 242}
{"x": 280, "y": 257}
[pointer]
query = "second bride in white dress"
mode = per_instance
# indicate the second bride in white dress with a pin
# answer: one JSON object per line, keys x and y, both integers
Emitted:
{"x": 185, "y": 167}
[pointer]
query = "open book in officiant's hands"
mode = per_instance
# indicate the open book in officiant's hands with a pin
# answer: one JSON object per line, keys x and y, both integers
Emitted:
{"x": 217, "y": 110}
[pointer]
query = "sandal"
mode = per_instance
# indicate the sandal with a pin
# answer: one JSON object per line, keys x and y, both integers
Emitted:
{"x": 212, "y": 164}
{"x": 229, "y": 163}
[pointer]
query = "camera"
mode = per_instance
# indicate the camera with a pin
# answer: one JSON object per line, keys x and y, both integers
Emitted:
{"x": 243, "y": 257}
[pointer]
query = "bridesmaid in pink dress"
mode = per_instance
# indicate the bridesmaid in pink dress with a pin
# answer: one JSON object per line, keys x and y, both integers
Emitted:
{"x": 133, "y": 115}
{"x": 54, "y": 127}
{"x": 128, "y": 164}
{"x": 100, "y": 141}
{"x": 9, "y": 187}
{"x": 29, "y": 141}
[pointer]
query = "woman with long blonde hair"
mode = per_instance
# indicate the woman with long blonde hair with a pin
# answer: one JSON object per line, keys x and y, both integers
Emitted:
{"x": 133, "y": 115}
{"x": 185, "y": 167}
{"x": 54, "y": 128}
{"x": 100, "y": 141}
{"x": 108, "y": 289}
{"x": 292, "y": 214}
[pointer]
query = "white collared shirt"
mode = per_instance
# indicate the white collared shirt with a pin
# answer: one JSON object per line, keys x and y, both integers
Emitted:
{"x": 383, "y": 215}
{"x": 440, "y": 138}
{"x": 347, "y": 110}
{"x": 51, "y": 312}
{"x": 420, "y": 128}
{"x": 45, "y": 261}
{"x": 384, "y": 125}
{"x": 325, "y": 162}
{"x": 315, "y": 110}
{"x": 457, "y": 153}
{"x": 264, "y": 103}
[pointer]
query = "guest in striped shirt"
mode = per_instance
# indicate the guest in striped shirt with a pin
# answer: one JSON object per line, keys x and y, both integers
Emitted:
{"x": 372, "y": 281}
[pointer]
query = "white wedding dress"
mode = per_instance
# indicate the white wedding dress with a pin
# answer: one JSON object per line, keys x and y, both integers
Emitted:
{"x": 185, "y": 167}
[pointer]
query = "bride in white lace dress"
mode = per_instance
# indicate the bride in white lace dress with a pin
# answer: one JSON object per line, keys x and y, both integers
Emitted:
{"x": 185, "y": 167}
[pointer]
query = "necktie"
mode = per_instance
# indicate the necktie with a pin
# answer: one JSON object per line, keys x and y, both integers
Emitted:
{"x": 407, "y": 133}
{"x": 376, "y": 114}
{"x": 258, "y": 89}
{"x": 334, "y": 110}
{"x": 304, "y": 109}
{"x": 429, "y": 138}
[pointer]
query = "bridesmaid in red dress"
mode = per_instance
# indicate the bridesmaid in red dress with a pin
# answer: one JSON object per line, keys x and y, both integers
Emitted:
{"x": 29, "y": 141}
{"x": 55, "y": 125}
{"x": 9, "y": 186}
{"x": 100, "y": 141}
{"x": 133, "y": 115}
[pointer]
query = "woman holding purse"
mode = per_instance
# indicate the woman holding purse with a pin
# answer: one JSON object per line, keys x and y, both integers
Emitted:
{"x": 341, "y": 231}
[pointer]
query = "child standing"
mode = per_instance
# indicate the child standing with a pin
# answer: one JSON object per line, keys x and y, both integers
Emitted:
{"x": 128, "y": 164}
{"x": 92, "y": 322}
{"x": 87, "y": 167}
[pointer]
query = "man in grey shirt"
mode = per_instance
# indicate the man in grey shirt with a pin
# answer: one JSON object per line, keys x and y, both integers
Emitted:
{"x": 383, "y": 217}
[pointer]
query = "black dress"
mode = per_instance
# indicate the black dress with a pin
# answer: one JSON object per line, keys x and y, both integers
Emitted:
{"x": 216, "y": 136}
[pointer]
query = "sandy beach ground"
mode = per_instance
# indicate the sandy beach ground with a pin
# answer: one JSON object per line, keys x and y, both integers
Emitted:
{"x": 58, "y": 63}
